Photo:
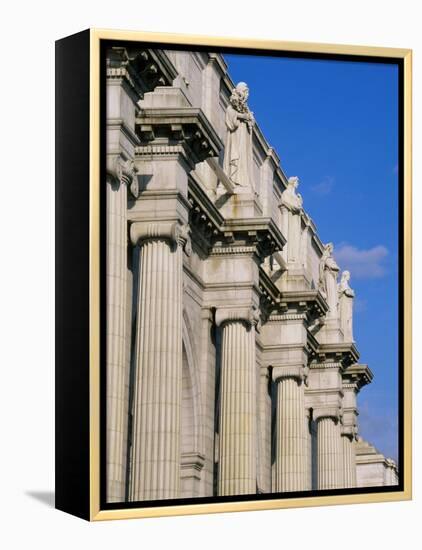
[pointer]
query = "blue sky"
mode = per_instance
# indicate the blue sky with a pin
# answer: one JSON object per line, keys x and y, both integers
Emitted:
{"x": 334, "y": 124}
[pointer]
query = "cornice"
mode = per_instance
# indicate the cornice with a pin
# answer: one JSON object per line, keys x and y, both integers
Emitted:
{"x": 185, "y": 126}
{"x": 357, "y": 375}
{"x": 310, "y": 300}
{"x": 270, "y": 295}
{"x": 142, "y": 69}
{"x": 259, "y": 230}
{"x": 343, "y": 352}
{"x": 287, "y": 317}
{"x": 126, "y": 130}
{"x": 325, "y": 365}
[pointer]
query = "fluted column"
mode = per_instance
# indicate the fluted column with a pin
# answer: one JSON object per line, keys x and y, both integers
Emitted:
{"x": 119, "y": 175}
{"x": 291, "y": 438}
{"x": 158, "y": 355}
{"x": 330, "y": 449}
{"x": 264, "y": 479}
{"x": 349, "y": 460}
{"x": 237, "y": 452}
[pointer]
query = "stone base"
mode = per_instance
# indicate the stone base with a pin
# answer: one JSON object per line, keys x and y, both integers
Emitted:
{"x": 293, "y": 279}
{"x": 239, "y": 205}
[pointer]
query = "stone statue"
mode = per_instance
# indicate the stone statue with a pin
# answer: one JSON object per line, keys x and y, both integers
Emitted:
{"x": 292, "y": 200}
{"x": 238, "y": 151}
{"x": 291, "y": 209}
{"x": 345, "y": 300}
{"x": 328, "y": 272}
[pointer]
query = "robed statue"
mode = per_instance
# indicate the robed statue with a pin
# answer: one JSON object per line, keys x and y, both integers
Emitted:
{"x": 328, "y": 272}
{"x": 345, "y": 301}
{"x": 238, "y": 151}
{"x": 291, "y": 206}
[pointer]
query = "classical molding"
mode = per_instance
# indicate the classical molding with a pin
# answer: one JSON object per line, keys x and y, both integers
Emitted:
{"x": 263, "y": 232}
{"x": 191, "y": 464}
{"x": 182, "y": 130}
{"x": 341, "y": 352}
{"x": 158, "y": 150}
{"x": 232, "y": 251}
{"x": 357, "y": 376}
{"x": 125, "y": 129}
{"x": 141, "y": 69}
{"x": 274, "y": 318}
{"x": 311, "y": 301}
{"x": 326, "y": 365}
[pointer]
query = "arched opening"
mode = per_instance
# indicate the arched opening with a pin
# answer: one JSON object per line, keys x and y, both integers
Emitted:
{"x": 192, "y": 459}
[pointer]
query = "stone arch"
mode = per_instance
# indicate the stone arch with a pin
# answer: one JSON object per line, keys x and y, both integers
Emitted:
{"x": 191, "y": 437}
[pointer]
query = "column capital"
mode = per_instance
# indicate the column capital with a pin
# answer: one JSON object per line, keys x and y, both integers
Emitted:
{"x": 328, "y": 412}
{"x": 122, "y": 171}
{"x": 349, "y": 431}
{"x": 174, "y": 232}
{"x": 298, "y": 372}
{"x": 264, "y": 373}
{"x": 247, "y": 314}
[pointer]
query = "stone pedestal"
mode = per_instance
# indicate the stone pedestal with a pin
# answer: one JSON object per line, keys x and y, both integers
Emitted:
{"x": 291, "y": 438}
{"x": 237, "y": 429}
{"x": 158, "y": 356}
{"x": 329, "y": 449}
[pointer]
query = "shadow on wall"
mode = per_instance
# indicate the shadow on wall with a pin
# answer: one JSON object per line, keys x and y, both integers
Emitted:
{"x": 45, "y": 497}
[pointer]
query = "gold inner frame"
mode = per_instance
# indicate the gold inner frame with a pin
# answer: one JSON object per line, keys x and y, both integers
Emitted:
{"x": 96, "y": 514}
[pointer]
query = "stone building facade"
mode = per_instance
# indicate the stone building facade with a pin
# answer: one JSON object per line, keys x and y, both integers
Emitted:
{"x": 231, "y": 364}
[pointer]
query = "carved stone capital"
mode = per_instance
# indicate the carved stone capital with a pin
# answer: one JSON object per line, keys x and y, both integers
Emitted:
{"x": 289, "y": 371}
{"x": 141, "y": 231}
{"x": 349, "y": 431}
{"x": 122, "y": 171}
{"x": 185, "y": 240}
{"x": 327, "y": 412}
{"x": 245, "y": 314}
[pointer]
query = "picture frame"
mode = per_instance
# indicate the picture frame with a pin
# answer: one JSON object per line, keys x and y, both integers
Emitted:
{"x": 96, "y": 144}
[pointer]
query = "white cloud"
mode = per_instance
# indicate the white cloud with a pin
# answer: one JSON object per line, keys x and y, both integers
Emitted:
{"x": 362, "y": 264}
{"x": 324, "y": 187}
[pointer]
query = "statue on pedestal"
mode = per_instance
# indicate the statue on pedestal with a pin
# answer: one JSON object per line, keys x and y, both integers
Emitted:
{"x": 291, "y": 208}
{"x": 238, "y": 152}
{"x": 345, "y": 299}
{"x": 328, "y": 272}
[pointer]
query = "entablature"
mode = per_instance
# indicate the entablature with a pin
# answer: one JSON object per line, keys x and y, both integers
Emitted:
{"x": 358, "y": 376}
{"x": 161, "y": 129}
{"x": 344, "y": 353}
{"x": 309, "y": 300}
{"x": 142, "y": 69}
